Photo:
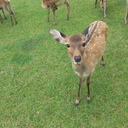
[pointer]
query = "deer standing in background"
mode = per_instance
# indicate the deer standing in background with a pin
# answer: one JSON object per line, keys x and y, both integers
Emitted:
{"x": 5, "y": 5}
{"x": 103, "y": 5}
{"x": 85, "y": 50}
{"x": 126, "y": 17}
{"x": 52, "y": 5}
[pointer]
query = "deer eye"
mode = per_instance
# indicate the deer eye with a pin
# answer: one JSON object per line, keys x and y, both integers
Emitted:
{"x": 68, "y": 45}
{"x": 84, "y": 44}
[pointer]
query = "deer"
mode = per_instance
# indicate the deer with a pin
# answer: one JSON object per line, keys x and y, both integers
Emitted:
{"x": 5, "y": 5}
{"x": 103, "y": 5}
{"x": 52, "y": 5}
{"x": 126, "y": 17}
{"x": 3, "y": 14}
{"x": 85, "y": 50}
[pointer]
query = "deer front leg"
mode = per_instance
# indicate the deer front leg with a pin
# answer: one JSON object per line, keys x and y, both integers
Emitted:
{"x": 48, "y": 18}
{"x": 88, "y": 84}
{"x": 79, "y": 91}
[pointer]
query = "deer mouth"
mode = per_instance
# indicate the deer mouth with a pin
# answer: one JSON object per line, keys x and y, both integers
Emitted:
{"x": 77, "y": 63}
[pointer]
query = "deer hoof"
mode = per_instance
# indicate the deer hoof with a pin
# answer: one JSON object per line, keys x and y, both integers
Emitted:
{"x": 67, "y": 18}
{"x": 88, "y": 101}
{"x": 103, "y": 64}
{"x": 76, "y": 104}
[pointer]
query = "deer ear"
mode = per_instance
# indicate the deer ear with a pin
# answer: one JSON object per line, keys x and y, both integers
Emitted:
{"x": 58, "y": 36}
{"x": 87, "y": 32}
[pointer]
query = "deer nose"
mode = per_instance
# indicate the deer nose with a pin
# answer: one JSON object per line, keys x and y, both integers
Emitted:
{"x": 77, "y": 58}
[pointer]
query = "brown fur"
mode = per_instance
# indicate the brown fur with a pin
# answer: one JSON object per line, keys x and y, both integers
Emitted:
{"x": 85, "y": 50}
{"x": 103, "y": 5}
{"x": 126, "y": 17}
{"x": 52, "y": 5}
{"x": 5, "y": 5}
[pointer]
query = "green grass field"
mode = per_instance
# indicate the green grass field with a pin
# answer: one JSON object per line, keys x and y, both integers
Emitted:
{"x": 38, "y": 86}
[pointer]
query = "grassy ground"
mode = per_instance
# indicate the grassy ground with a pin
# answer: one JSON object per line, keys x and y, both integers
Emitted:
{"x": 37, "y": 84}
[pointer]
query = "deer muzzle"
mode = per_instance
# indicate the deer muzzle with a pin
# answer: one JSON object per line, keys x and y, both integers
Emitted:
{"x": 77, "y": 59}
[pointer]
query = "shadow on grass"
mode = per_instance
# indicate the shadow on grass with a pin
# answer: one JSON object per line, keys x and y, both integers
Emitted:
{"x": 21, "y": 59}
{"x": 23, "y": 47}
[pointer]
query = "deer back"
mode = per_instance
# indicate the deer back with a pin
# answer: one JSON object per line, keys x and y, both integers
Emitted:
{"x": 95, "y": 46}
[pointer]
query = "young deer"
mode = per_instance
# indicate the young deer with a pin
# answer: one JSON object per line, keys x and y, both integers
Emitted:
{"x": 52, "y": 4}
{"x": 85, "y": 50}
{"x": 126, "y": 17}
{"x": 5, "y": 4}
{"x": 103, "y": 5}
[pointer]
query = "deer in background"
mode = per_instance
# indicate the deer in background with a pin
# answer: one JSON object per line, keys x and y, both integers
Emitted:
{"x": 126, "y": 17}
{"x": 103, "y": 5}
{"x": 5, "y": 5}
{"x": 52, "y": 5}
{"x": 85, "y": 50}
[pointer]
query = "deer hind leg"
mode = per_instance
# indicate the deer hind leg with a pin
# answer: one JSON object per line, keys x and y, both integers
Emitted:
{"x": 79, "y": 91}
{"x": 88, "y": 87}
{"x": 102, "y": 61}
{"x": 104, "y": 8}
{"x": 101, "y": 5}
{"x": 126, "y": 18}
{"x": 68, "y": 9}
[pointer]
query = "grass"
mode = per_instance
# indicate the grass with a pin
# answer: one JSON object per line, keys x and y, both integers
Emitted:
{"x": 37, "y": 84}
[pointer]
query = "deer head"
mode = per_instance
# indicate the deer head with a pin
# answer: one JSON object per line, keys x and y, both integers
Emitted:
{"x": 75, "y": 43}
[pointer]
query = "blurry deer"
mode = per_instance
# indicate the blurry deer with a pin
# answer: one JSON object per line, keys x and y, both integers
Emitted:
{"x": 3, "y": 14}
{"x": 85, "y": 50}
{"x": 5, "y": 5}
{"x": 52, "y": 5}
{"x": 103, "y": 5}
{"x": 126, "y": 17}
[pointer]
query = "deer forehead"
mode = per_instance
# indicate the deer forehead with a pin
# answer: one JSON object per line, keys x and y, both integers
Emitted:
{"x": 75, "y": 39}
